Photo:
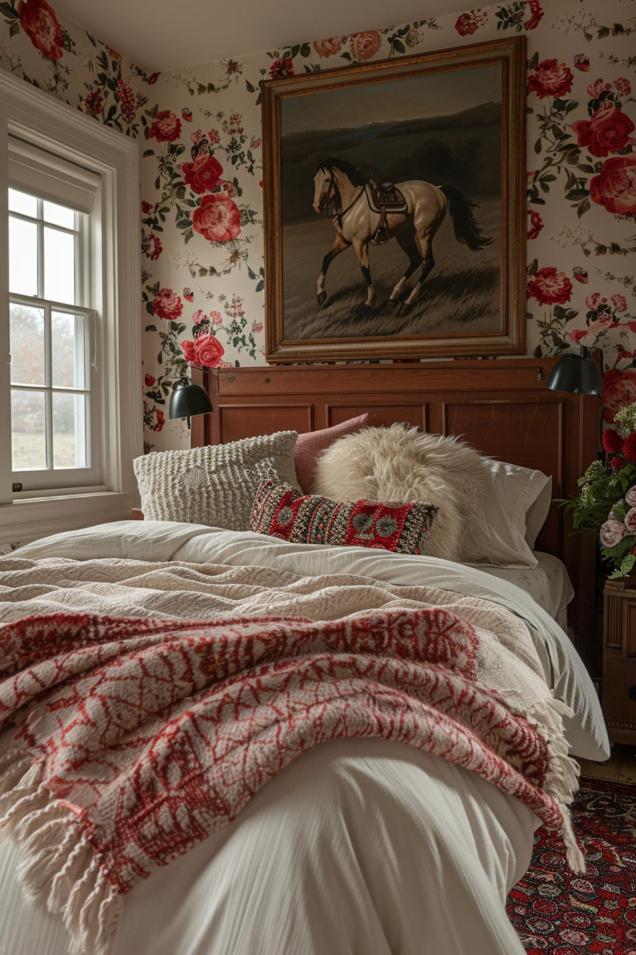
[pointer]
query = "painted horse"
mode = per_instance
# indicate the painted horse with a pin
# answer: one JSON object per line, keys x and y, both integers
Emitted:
{"x": 341, "y": 191}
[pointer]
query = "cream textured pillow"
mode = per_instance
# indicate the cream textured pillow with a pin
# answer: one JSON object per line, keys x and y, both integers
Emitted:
{"x": 403, "y": 464}
{"x": 216, "y": 484}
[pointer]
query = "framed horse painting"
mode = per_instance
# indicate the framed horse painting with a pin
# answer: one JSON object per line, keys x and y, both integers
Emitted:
{"x": 395, "y": 207}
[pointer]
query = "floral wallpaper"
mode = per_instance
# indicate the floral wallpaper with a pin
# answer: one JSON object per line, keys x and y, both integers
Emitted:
{"x": 202, "y": 206}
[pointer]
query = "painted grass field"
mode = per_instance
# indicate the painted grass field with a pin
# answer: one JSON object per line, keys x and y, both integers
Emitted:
{"x": 460, "y": 295}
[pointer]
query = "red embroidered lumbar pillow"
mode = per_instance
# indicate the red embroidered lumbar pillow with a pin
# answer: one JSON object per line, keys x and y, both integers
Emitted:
{"x": 279, "y": 511}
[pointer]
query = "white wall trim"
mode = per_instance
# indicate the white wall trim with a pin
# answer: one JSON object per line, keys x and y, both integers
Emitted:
{"x": 40, "y": 119}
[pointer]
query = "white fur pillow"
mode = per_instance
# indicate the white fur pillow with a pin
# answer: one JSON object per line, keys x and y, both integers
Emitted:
{"x": 400, "y": 463}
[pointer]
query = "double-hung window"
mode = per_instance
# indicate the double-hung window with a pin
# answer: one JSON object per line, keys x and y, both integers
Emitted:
{"x": 53, "y": 324}
{"x": 70, "y": 330}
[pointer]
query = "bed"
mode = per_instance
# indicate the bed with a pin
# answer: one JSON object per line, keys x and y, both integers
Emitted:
{"x": 358, "y": 845}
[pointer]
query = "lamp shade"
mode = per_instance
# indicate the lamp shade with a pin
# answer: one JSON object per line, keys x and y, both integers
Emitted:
{"x": 576, "y": 373}
{"x": 187, "y": 400}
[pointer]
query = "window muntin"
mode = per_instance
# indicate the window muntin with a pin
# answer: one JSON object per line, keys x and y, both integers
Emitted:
{"x": 51, "y": 327}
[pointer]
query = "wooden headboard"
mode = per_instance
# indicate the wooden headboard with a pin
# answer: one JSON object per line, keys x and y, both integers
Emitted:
{"x": 500, "y": 406}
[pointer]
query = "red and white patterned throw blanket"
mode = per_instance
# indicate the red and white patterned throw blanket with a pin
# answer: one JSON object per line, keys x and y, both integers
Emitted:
{"x": 134, "y": 738}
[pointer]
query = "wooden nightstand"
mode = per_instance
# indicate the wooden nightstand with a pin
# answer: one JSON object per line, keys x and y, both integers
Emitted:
{"x": 619, "y": 660}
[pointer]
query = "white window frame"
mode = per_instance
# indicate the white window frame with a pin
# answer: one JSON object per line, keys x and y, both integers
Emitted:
{"x": 23, "y": 164}
{"x": 32, "y": 116}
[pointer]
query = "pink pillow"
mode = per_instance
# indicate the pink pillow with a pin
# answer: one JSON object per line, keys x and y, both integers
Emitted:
{"x": 310, "y": 444}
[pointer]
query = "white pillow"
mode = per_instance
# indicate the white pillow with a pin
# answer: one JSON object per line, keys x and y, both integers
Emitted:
{"x": 513, "y": 511}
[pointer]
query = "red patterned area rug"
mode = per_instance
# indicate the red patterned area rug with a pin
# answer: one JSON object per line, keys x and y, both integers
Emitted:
{"x": 559, "y": 913}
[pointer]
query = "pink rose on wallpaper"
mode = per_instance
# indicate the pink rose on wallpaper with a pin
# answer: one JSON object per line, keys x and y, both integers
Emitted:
{"x": 198, "y": 317}
{"x": 550, "y": 78}
{"x": 623, "y": 86}
{"x": 619, "y": 302}
{"x": 328, "y": 47}
{"x": 165, "y": 127}
{"x": 630, "y": 497}
{"x": 550, "y": 287}
{"x": 607, "y": 131}
{"x": 611, "y": 533}
{"x": 167, "y": 304}
{"x": 206, "y": 351}
{"x": 38, "y": 20}
{"x": 127, "y": 99}
{"x": 593, "y": 301}
{"x": 619, "y": 389}
{"x": 595, "y": 89}
{"x": 614, "y": 187}
{"x": 282, "y": 68}
{"x": 536, "y": 224}
{"x": 203, "y": 174}
{"x": 364, "y": 45}
{"x": 536, "y": 15}
{"x": 217, "y": 218}
{"x": 216, "y": 318}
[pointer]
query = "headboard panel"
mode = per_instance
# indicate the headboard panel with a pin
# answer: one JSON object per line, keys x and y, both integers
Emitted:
{"x": 500, "y": 406}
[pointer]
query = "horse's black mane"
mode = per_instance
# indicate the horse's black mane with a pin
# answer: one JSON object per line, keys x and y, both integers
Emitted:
{"x": 345, "y": 166}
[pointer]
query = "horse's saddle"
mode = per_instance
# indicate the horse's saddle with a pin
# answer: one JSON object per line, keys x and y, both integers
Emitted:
{"x": 385, "y": 197}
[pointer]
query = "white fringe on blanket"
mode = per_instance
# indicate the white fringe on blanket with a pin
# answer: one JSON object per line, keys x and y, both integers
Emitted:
{"x": 60, "y": 868}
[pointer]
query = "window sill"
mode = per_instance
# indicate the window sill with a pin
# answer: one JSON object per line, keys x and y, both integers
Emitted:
{"x": 31, "y": 518}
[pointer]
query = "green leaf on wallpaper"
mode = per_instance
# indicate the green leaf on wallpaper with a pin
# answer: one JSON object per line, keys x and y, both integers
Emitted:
{"x": 586, "y": 167}
{"x": 399, "y": 46}
{"x": 583, "y": 208}
{"x": 559, "y": 104}
{"x": 14, "y": 28}
{"x": 570, "y": 105}
{"x": 148, "y": 152}
{"x": 577, "y": 194}
{"x": 537, "y": 146}
{"x": 534, "y": 61}
{"x": 295, "y": 50}
{"x": 305, "y": 49}
{"x": 151, "y": 328}
{"x": 533, "y": 266}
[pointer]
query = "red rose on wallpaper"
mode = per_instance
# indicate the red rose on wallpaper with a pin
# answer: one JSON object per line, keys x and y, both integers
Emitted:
{"x": 536, "y": 224}
{"x": 281, "y": 68}
{"x": 127, "y": 100}
{"x": 623, "y": 86}
{"x": 206, "y": 350}
{"x": 165, "y": 127}
{"x": 151, "y": 246}
{"x": 149, "y": 380}
{"x": 607, "y": 131}
{"x": 614, "y": 187}
{"x": 93, "y": 103}
{"x": 467, "y": 23}
{"x": 167, "y": 304}
{"x": 328, "y": 47}
{"x": 550, "y": 78}
{"x": 217, "y": 218}
{"x": 160, "y": 420}
{"x": 203, "y": 174}
{"x": 536, "y": 15}
{"x": 550, "y": 287}
{"x": 364, "y": 45}
{"x": 39, "y": 22}
{"x": 582, "y": 62}
{"x": 619, "y": 389}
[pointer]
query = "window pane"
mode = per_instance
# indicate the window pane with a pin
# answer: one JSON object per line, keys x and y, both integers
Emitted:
{"x": 23, "y": 257}
{"x": 21, "y": 202}
{"x": 27, "y": 345}
{"x": 28, "y": 440}
{"x": 59, "y": 266}
{"x": 68, "y": 350}
{"x": 59, "y": 215}
{"x": 69, "y": 430}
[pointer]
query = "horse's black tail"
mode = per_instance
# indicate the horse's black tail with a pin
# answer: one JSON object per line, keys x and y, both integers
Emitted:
{"x": 466, "y": 228}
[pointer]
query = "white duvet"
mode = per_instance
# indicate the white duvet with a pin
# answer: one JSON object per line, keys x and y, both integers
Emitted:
{"x": 359, "y": 847}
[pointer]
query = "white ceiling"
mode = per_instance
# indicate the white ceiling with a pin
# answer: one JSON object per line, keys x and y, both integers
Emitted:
{"x": 164, "y": 35}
